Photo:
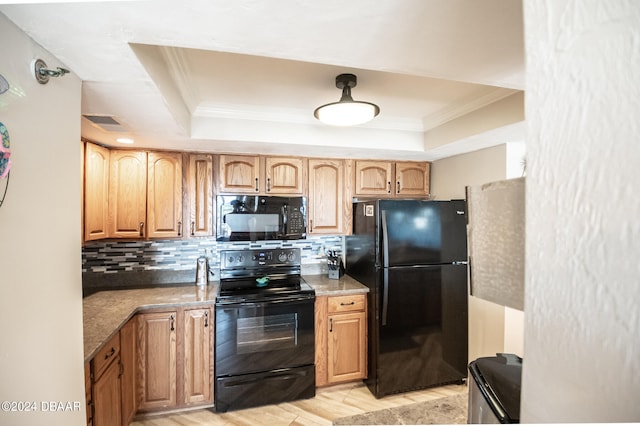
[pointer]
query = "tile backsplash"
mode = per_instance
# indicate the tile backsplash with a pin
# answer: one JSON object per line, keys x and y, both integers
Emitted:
{"x": 102, "y": 260}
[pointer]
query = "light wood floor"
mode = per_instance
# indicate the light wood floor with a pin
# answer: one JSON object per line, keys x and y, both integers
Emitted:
{"x": 329, "y": 404}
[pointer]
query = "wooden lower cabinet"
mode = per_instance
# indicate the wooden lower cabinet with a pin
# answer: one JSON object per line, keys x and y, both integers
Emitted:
{"x": 87, "y": 393}
{"x": 128, "y": 379}
{"x": 106, "y": 373}
{"x": 107, "y": 396}
{"x": 197, "y": 365}
{"x": 341, "y": 339}
{"x": 157, "y": 356}
{"x": 175, "y": 359}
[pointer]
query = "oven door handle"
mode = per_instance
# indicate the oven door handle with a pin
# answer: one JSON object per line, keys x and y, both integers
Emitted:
{"x": 276, "y": 375}
{"x": 265, "y": 303}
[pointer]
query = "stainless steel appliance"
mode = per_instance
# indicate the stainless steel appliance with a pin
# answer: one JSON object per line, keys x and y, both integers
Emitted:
{"x": 265, "y": 337}
{"x": 494, "y": 391}
{"x": 412, "y": 254}
{"x": 202, "y": 271}
{"x": 254, "y": 217}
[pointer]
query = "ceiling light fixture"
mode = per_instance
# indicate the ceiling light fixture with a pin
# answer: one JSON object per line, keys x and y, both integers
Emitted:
{"x": 346, "y": 112}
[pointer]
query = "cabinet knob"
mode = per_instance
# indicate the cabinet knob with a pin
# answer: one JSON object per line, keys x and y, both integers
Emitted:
{"x": 180, "y": 229}
{"x": 389, "y": 186}
{"x": 142, "y": 229}
{"x": 398, "y": 187}
{"x": 110, "y": 354}
{"x": 171, "y": 321}
{"x": 257, "y": 185}
{"x": 193, "y": 228}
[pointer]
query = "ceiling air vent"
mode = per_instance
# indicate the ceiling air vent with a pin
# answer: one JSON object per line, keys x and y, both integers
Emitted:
{"x": 106, "y": 123}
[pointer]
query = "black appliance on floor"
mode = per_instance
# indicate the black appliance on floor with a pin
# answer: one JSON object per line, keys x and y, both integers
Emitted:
{"x": 494, "y": 391}
{"x": 412, "y": 254}
{"x": 265, "y": 337}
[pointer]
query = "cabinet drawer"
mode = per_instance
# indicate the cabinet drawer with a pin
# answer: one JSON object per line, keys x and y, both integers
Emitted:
{"x": 352, "y": 302}
{"x": 105, "y": 355}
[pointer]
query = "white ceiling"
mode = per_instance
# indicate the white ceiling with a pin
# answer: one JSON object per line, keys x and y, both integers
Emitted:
{"x": 246, "y": 75}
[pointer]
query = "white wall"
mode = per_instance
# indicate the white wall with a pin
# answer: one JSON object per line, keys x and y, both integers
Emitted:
{"x": 449, "y": 177}
{"x": 582, "y": 323}
{"x": 41, "y": 354}
{"x": 492, "y": 328}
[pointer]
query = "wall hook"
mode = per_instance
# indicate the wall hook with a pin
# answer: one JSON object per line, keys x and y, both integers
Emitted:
{"x": 42, "y": 73}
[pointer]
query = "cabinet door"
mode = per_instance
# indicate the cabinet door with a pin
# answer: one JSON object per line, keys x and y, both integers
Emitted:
{"x": 239, "y": 174}
{"x": 322, "y": 334}
{"x": 412, "y": 178}
{"x": 128, "y": 360}
{"x": 87, "y": 393}
{"x": 373, "y": 177}
{"x": 164, "y": 195}
{"x": 157, "y": 360}
{"x": 96, "y": 192}
{"x": 200, "y": 177}
{"x": 326, "y": 196}
{"x": 127, "y": 194}
{"x": 198, "y": 361}
{"x": 284, "y": 175}
{"x": 347, "y": 347}
{"x": 106, "y": 396}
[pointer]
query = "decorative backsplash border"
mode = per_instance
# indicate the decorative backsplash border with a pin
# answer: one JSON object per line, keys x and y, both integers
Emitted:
{"x": 109, "y": 257}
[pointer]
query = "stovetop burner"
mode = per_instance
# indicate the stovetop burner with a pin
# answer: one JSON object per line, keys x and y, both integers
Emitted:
{"x": 257, "y": 275}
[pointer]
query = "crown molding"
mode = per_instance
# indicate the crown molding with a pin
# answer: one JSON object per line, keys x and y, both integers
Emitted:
{"x": 465, "y": 106}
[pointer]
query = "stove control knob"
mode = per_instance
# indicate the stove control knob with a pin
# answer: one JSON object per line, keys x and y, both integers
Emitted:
{"x": 282, "y": 257}
{"x": 241, "y": 258}
{"x": 230, "y": 259}
{"x": 292, "y": 256}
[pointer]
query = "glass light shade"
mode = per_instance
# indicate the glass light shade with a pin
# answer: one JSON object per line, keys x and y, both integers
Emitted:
{"x": 346, "y": 113}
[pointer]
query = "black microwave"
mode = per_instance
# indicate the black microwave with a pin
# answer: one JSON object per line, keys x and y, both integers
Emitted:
{"x": 256, "y": 217}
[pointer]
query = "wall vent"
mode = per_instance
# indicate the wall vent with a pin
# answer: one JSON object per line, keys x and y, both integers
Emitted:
{"x": 105, "y": 122}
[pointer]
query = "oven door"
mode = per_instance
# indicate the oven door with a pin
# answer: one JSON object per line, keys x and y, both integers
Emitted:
{"x": 260, "y": 336}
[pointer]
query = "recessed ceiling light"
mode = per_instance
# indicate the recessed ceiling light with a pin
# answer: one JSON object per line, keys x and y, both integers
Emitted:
{"x": 125, "y": 140}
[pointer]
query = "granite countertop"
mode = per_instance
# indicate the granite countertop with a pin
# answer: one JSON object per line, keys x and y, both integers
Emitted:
{"x": 328, "y": 287}
{"x": 105, "y": 312}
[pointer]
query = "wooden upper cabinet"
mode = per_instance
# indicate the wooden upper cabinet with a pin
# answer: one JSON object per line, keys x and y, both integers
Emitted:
{"x": 96, "y": 192}
{"x": 164, "y": 195}
{"x": 246, "y": 174}
{"x": 326, "y": 201}
{"x": 200, "y": 184}
{"x": 412, "y": 178}
{"x": 392, "y": 179}
{"x": 373, "y": 177}
{"x": 284, "y": 175}
{"x": 239, "y": 174}
{"x": 127, "y": 194}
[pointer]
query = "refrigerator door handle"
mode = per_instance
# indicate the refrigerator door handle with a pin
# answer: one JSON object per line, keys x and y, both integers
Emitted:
{"x": 385, "y": 240}
{"x": 385, "y": 296}
{"x": 385, "y": 264}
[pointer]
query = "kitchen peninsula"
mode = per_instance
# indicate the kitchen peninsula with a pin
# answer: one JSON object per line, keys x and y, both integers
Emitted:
{"x": 184, "y": 354}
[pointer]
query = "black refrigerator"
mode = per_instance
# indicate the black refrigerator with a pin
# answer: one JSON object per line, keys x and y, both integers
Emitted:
{"x": 412, "y": 254}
